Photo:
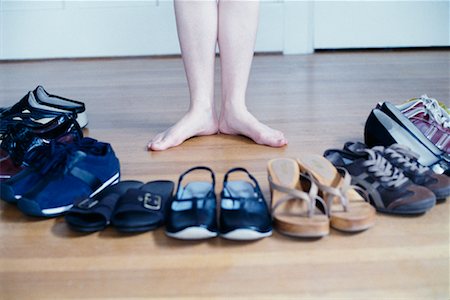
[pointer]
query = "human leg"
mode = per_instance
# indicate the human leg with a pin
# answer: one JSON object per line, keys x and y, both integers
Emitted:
{"x": 197, "y": 33}
{"x": 238, "y": 23}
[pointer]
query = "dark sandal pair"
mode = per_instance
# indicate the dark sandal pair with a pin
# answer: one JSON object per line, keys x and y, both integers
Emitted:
{"x": 131, "y": 206}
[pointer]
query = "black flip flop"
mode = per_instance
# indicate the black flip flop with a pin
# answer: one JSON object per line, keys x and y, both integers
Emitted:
{"x": 94, "y": 214}
{"x": 143, "y": 209}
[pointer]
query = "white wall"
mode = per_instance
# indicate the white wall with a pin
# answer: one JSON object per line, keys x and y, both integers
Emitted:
{"x": 46, "y": 29}
{"x": 61, "y": 28}
{"x": 374, "y": 24}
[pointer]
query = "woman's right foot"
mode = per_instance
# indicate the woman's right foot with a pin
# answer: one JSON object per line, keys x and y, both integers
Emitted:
{"x": 194, "y": 123}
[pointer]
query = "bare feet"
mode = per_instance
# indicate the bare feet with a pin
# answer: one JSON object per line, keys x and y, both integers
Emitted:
{"x": 241, "y": 121}
{"x": 194, "y": 123}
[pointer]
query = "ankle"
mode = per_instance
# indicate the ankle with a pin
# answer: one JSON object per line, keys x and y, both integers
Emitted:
{"x": 203, "y": 109}
{"x": 230, "y": 108}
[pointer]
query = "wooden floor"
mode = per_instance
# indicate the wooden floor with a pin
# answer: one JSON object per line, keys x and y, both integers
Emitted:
{"x": 319, "y": 101}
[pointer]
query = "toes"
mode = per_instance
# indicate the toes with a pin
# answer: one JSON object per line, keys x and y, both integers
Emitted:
{"x": 274, "y": 138}
{"x": 154, "y": 141}
{"x": 164, "y": 143}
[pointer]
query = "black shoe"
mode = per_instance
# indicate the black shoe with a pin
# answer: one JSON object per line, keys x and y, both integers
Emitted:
{"x": 388, "y": 189}
{"x": 21, "y": 138}
{"x": 192, "y": 212}
{"x": 385, "y": 129}
{"x": 40, "y": 107}
{"x": 244, "y": 214}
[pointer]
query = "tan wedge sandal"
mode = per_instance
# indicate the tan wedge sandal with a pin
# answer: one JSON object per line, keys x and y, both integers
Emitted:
{"x": 294, "y": 200}
{"x": 346, "y": 208}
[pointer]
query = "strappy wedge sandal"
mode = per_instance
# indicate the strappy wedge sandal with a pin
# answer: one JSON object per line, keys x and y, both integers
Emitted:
{"x": 348, "y": 210}
{"x": 294, "y": 200}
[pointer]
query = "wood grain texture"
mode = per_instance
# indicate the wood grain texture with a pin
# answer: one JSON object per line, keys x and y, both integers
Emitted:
{"x": 319, "y": 101}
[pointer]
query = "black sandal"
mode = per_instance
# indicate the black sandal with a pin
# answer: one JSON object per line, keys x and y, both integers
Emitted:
{"x": 192, "y": 212}
{"x": 144, "y": 208}
{"x": 94, "y": 214}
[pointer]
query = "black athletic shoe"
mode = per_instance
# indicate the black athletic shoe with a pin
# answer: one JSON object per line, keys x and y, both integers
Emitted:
{"x": 387, "y": 125}
{"x": 407, "y": 161}
{"x": 386, "y": 186}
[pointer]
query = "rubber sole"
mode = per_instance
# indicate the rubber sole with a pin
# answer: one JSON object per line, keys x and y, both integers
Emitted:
{"x": 192, "y": 233}
{"x": 245, "y": 235}
{"x": 412, "y": 209}
{"x": 138, "y": 229}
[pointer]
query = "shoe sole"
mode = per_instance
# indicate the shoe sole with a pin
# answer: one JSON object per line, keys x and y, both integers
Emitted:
{"x": 32, "y": 208}
{"x": 192, "y": 233}
{"x": 138, "y": 229}
{"x": 245, "y": 235}
{"x": 413, "y": 209}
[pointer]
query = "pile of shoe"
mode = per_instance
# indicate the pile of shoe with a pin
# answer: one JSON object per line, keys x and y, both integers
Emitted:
{"x": 46, "y": 164}
{"x": 392, "y": 177}
{"x": 35, "y": 120}
{"x": 422, "y": 124}
{"x": 190, "y": 213}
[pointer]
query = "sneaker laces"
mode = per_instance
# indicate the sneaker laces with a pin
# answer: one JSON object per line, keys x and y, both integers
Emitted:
{"x": 438, "y": 113}
{"x": 383, "y": 169}
{"x": 406, "y": 157}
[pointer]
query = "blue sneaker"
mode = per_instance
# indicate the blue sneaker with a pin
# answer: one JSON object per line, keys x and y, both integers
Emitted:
{"x": 14, "y": 187}
{"x": 74, "y": 171}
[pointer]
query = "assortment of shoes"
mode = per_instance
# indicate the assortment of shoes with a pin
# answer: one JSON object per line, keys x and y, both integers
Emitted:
{"x": 49, "y": 169}
{"x": 387, "y": 125}
{"x": 46, "y": 163}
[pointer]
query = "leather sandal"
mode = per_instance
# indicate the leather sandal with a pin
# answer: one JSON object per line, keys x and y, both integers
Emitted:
{"x": 348, "y": 210}
{"x": 294, "y": 201}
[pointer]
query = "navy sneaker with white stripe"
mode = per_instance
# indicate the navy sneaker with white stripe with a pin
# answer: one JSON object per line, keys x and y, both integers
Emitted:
{"x": 72, "y": 171}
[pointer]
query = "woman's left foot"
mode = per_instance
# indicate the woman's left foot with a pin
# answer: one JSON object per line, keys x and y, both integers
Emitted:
{"x": 242, "y": 122}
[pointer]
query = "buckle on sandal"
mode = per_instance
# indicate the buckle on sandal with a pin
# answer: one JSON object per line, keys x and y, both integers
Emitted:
{"x": 150, "y": 201}
{"x": 87, "y": 203}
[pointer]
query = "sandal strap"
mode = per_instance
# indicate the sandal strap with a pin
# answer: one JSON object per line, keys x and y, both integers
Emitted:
{"x": 213, "y": 177}
{"x": 293, "y": 194}
{"x": 257, "y": 188}
{"x": 341, "y": 191}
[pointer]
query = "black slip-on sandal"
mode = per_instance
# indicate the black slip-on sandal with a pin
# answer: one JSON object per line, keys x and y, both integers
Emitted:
{"x": 192, "y": 212}
{"x": 144, "y": 208}
{"x": 244, "y": 214}
{"x": 94, "y": 214}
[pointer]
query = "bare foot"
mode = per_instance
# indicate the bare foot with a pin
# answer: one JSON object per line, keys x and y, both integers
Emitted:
{"x": 194, "y": 123}
{"x": 241, "y": 121}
